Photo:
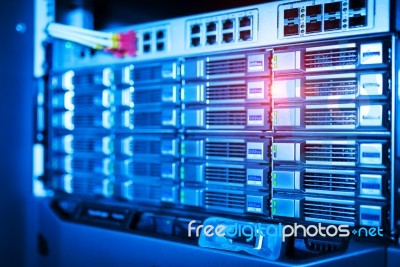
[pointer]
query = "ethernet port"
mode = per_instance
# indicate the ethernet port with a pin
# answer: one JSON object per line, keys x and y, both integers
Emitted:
{"x": 357, "y": 4}
{"x": 195, "y": 29}
{"x": 160, "y": 46}
{"x": 291, "y": 29}
{"x": 357, "y": 21}
{"x": 245, "y": 35}
{"x": 211, "y": 39}
{"x": 227, "y": 37}
{"x": 314, "y": 26}
{"x": 146, "y": 48}
{"x": 195, "y": 41}
{"x": 244, "y": 21}
{"x": 211, "y": 27}
{"x": 146, "y": 36}
{"x": 314, "y": 11}
{"x": 332, "y": 24}
{"x": 227, "y": 24}
{"x": 160, "y": 34}
{"x": 333, "y": 8}
{"x": 291, "y": 13}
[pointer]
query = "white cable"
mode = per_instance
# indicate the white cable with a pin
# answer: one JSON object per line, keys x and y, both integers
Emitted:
{"x": 75, "y": 40}
{"x": 69, "y": 28}
{"x": 77, "y": 36}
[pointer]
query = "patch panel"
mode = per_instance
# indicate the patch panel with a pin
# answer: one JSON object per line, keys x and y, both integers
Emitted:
{"x": 222, "y": 30}
{"x": 154, "y": 40}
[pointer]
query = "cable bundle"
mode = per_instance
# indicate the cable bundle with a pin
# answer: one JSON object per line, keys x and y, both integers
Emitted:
{"x": 118, "y": 43}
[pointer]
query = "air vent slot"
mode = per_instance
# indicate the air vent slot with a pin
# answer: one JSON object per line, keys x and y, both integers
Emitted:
{"x": 226, "y": 66}
{"x": 331, "y": 117}
{"x": 330, "y": 211}
{"x": 225, "y": 200}
{"x": 226, "y": 92}
{"x": 331, "y": 58}
{"x": 146, "y": 147}
{"x": 147, "y": 119}
{"x": 144, "y": 169}
{"x": 146, "y": 192}
{"x": 85, "y": 120}
{"x": 88, "y": 79}
{"x": 88, "y": 100}
{"x": 87, "y": 186}
{"x": 327, "y": 88}
{"x": 147, "y": 96}
{"x": 147, "y": 74}
{"x": 334, "y": 153}
{"x": 226, "y": 175}
{"x": 228, "y": 117}
{"x": 87, "y": 165}
{"x": 226, "y": 149}
{"x": 343, "y": 183}
{"x": 86, "y": 145}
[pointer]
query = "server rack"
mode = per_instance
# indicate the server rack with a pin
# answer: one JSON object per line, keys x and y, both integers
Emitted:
{"x": 297, "y": 125}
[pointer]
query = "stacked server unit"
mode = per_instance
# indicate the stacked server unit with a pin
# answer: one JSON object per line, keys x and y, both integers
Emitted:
{"x": 228, "y": 121}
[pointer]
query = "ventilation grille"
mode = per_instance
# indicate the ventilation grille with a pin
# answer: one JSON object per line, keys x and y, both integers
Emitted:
{"x": 87, "y": 186}
{"x": 330, "y": 211}
{"x": 225, "y": 175}
{"x": 88, "y": 79}
{"x": 226, "y": 149}
{"x": 82, "y": 100}
{"x": 226, "y": 201}
{"x": 148, "y": 96}
{"x": 84, "y": 120}
{"x": 330, "y": 58}
{"x": 146, "y": 147}
{"x": 226, "y": 66}
{"x": 147, "y": 74}
{"x": 327, "y": 88}
{"x": 331, "y": 117}
{"x": 86, "y": 145}
{"x": 146, "y": 192}
{"x": 227, "y": 118}
{"x": 226, "y": 92}
{"x": 336, "y": 153}
{"x": 147, "y": 119}
{"x": 144, "y": 169}
{"x": 87, "y": 165}
{"x": 330, "y": 182}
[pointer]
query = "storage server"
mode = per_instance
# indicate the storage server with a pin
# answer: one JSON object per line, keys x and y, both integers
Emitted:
{"x": 278, "y": 113}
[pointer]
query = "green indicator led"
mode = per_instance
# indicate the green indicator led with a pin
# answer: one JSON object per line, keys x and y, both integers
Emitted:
{"x": 274, "y": 183}
{"x": 274, "y": 210}
{"x": 182, "y": 194}
{"x": 183, "y": 151}
{"x": 274, "y": 203}
{"x": 274, "y": 175}
{"x": 274, "y": 147}
{"x": 68, "y": 45}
